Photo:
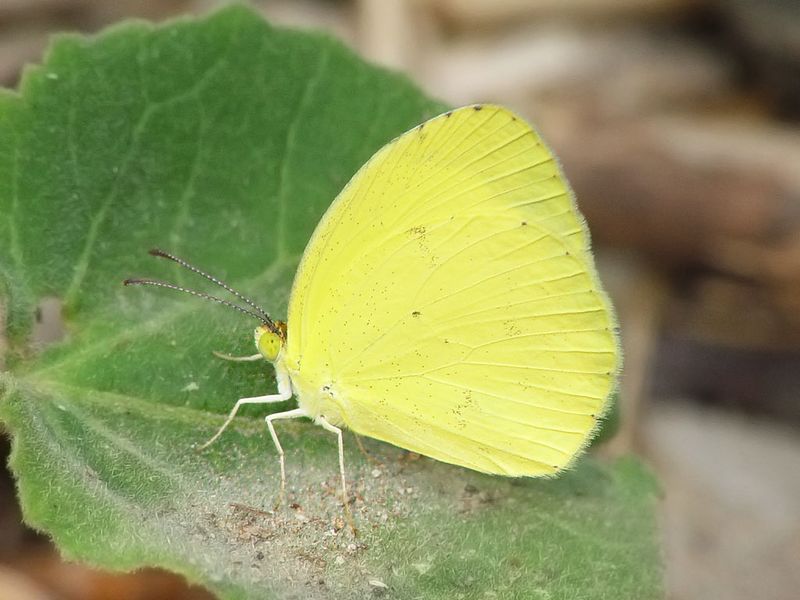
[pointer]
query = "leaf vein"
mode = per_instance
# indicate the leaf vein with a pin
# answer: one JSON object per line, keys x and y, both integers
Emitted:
{"x": 289, "y": 149}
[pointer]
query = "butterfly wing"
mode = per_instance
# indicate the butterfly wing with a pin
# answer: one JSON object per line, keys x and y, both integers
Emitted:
{"x": 448, "y": 303}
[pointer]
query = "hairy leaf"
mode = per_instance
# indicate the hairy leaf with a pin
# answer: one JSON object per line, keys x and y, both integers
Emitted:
{"x": 224, "y": 140}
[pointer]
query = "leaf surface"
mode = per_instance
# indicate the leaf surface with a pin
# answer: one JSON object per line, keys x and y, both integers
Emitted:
{"x": 224, "y": 140}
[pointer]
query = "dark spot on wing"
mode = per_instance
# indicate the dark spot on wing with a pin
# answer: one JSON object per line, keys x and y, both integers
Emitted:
{"x": 416, "y": 313}
{"x": 478, "y": 107}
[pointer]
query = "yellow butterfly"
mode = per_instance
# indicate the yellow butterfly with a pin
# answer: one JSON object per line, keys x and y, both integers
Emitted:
{"x": 447, "y": 303}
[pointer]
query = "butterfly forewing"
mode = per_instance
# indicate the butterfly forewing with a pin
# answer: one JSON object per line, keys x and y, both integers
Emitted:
{"x": 448, "y": 302}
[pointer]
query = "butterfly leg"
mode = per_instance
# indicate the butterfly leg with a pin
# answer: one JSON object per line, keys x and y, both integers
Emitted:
{"x": 289, "y": 414}
{"x": 284, "y": 393}
{"x": 345, "y": 500}
{"x": 366, "y": 454}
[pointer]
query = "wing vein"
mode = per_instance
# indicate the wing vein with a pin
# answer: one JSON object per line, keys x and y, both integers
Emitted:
{"x": 507, "y": 399}
{"x": 516, "y": 268}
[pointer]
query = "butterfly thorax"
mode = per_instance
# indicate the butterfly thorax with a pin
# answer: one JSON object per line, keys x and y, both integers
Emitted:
{"x": 318, "y": 396}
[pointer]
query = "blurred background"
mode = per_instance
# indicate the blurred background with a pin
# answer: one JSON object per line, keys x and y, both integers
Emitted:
{"x": 678, "y": 124}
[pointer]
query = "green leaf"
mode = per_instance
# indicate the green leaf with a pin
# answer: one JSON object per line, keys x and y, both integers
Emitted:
{"x": 224, "y": 140}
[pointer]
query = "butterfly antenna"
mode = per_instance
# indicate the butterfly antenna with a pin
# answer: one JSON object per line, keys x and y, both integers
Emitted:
{"x": 222, "y": 284}
{"x": 170, "y": 286}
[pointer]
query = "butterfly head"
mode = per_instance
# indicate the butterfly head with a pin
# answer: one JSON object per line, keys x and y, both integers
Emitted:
{"x": 270, "y": 335}
{"x": 270, "y": 338}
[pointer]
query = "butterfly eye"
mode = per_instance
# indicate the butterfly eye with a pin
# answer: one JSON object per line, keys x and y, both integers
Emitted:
{"x": 268, "y": 343}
